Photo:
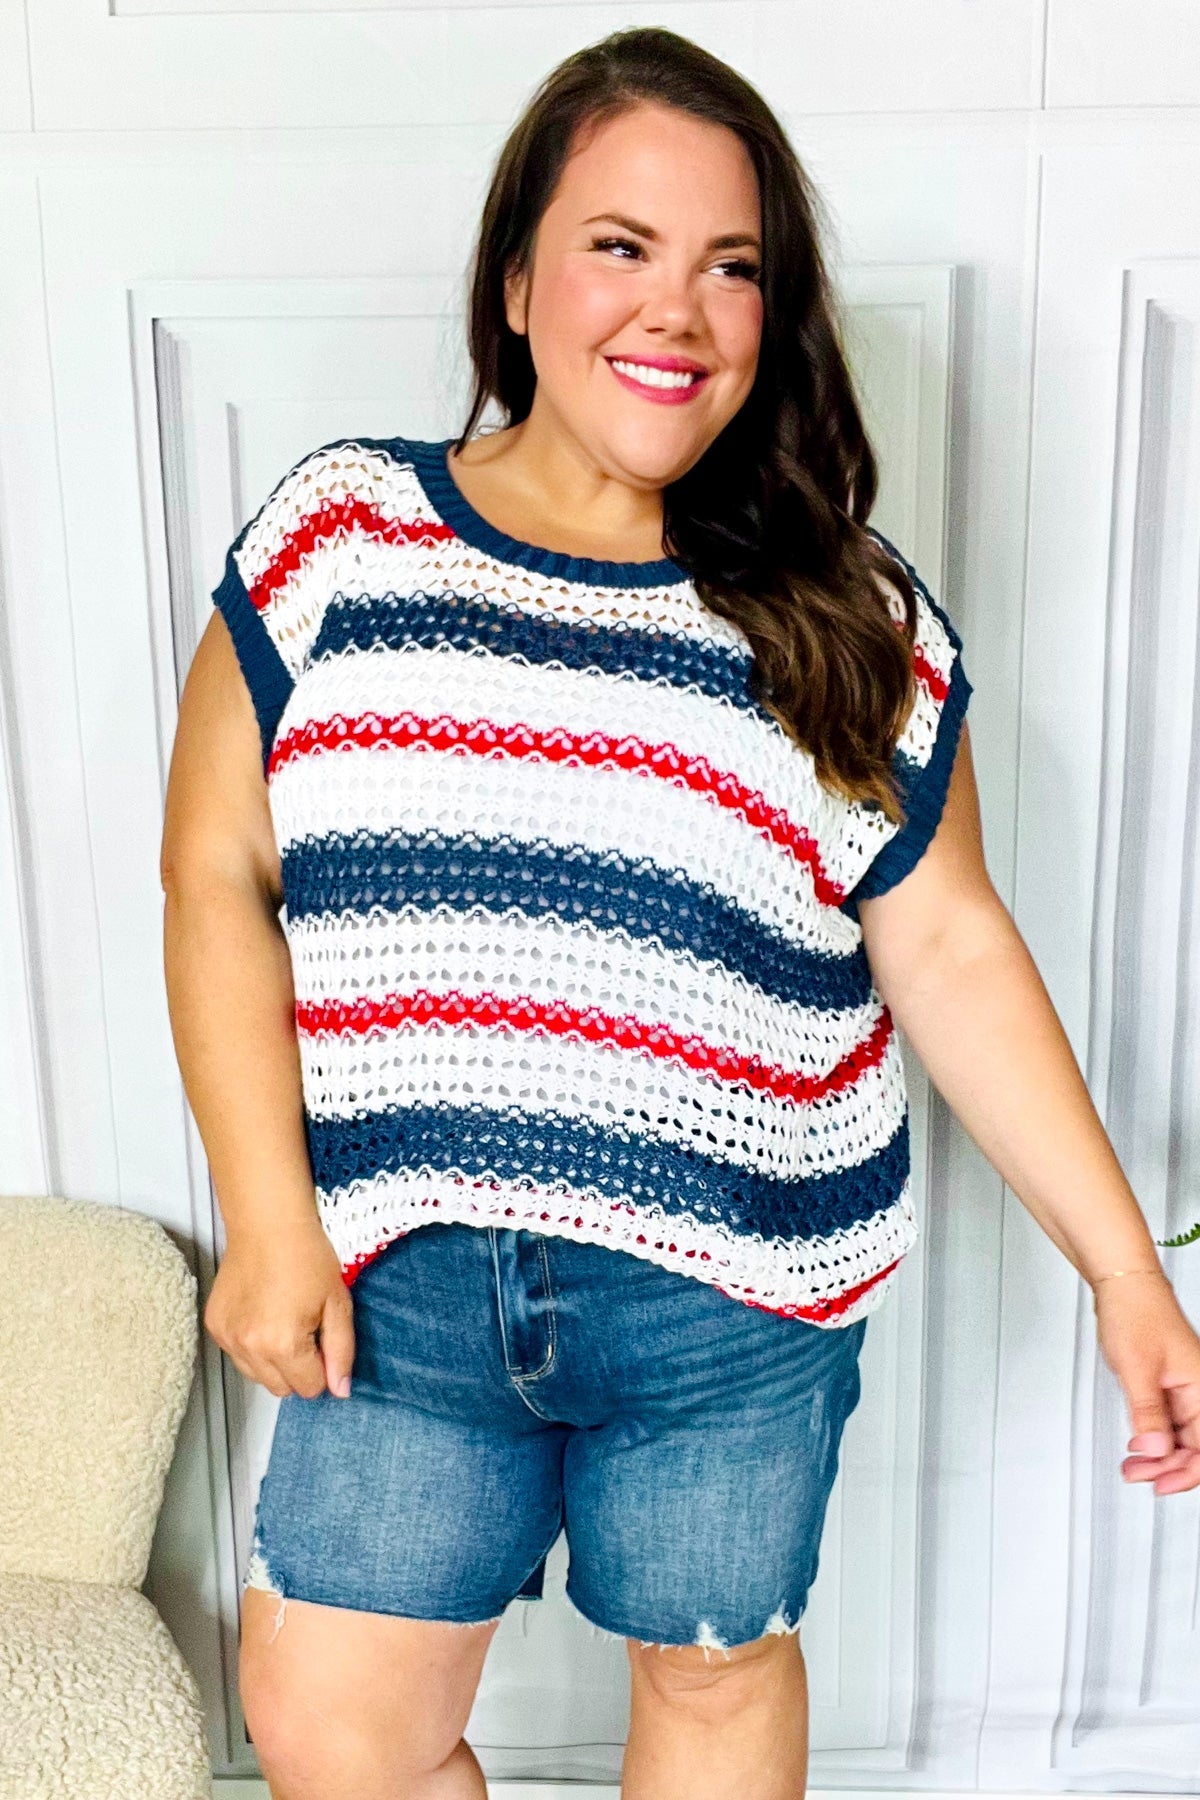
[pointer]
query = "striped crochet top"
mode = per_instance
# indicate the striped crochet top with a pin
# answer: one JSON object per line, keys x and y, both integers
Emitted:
{"x": 573, "y": 926}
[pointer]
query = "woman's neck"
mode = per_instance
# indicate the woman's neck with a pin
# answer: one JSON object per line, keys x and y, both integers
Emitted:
{"x": 534, "y": 482}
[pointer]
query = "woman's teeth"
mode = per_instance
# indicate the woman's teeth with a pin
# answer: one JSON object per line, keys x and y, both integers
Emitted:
{"x": 650, "y": 377}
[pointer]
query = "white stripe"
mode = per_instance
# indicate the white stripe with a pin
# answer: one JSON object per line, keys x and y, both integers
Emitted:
{"x": 347, "y": 957}
{"x": 932, "y": 637}
{"x": 364, "y": 1215}
{"x": 468, "y": 685}
{"x": 298, "y": 492}
{"x": 639, "y": 816}
{"x": 921, "y": 729}
{"x": 353, "y": 1076}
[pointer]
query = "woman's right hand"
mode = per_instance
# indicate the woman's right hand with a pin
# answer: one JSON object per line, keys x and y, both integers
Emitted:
{"x": 281, "y": 1312}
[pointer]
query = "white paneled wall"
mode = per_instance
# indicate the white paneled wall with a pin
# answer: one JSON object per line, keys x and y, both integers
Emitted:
{"x": 232, "y": 229}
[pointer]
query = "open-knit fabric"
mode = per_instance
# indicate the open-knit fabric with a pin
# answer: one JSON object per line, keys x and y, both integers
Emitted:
{"x": 573, "y": 925}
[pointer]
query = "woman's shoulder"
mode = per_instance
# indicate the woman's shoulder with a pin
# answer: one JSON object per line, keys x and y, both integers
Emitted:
{"x": 346, "y": 481}
{"x": 289, "y": 555}
{"x": 884, "y": 851}
{"x": 344, "y": 464}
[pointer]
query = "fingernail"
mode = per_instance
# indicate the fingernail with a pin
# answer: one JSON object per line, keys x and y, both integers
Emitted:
{"x": 343, "y": 1387}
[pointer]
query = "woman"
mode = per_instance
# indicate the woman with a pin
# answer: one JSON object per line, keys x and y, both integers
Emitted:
{"x": 615, "y": 777}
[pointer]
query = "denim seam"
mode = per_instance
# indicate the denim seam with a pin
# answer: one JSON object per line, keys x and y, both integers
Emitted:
{"x": 545, "y": 1553}
{"x": 537, "y": 1374}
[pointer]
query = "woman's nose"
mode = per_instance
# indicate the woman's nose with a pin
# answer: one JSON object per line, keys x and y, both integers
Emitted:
{"x": 672, "y": 304}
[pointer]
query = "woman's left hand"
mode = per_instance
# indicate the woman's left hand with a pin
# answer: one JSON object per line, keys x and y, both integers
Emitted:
{"x": 1151, "y": 1348}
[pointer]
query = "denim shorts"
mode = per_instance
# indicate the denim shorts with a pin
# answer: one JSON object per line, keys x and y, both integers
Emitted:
{"x": 508, "y": 1386}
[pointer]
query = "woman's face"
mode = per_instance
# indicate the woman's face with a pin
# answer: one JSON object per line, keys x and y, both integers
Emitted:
{"x": 643, "y": 306}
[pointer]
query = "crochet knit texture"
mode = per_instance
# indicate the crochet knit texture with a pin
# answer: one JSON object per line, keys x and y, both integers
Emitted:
{"x": 573, "y": 925}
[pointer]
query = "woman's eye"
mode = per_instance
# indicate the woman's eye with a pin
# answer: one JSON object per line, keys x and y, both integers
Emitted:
{"x": 616, "y": 243}
{"x": 748, "y": 271}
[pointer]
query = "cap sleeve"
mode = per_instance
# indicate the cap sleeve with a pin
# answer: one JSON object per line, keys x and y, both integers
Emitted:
{"x": 881, "y": 852}
{"x": 273, "y": 591}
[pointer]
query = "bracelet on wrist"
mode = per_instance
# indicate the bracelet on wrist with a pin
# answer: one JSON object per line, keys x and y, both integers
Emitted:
{"x": 1094, "y": 1282}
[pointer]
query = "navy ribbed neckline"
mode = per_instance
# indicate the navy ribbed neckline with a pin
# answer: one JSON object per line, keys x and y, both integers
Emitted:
{"x": 453, "y": 507}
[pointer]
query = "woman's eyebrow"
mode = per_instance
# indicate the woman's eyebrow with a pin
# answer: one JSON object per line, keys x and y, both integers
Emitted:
{"x": 729, "y": 240}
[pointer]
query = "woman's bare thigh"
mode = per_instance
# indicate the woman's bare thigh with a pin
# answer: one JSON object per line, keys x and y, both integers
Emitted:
{"x": 324, "y": 1681}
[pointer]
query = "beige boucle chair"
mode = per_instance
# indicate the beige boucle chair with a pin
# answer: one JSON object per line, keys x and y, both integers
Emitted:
{"x": 97, "y": 1346}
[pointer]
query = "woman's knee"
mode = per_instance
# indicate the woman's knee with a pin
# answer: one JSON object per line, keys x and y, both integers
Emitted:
{"x": 326, "y": 1689}
{"x": 697, "y": 1676}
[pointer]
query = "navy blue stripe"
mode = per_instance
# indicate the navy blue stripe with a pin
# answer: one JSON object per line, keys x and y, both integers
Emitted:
{"x": 513, "y": 1146}
{"x": 353, "y": 873}
{"x": 394, "y": 621}
{"x": 267, "y": 675}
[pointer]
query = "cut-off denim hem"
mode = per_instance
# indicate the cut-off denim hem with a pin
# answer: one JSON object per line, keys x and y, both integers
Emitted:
{"x": 706, "y": 1637}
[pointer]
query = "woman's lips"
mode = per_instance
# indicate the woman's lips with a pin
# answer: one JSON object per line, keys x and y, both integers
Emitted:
{"x": 663, "y": 386}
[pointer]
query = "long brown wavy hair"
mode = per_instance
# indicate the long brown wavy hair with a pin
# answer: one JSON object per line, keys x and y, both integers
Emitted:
{"x": 770, "y": 523}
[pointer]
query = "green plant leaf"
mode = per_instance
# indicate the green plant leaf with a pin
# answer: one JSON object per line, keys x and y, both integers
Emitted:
{"x": 1187, "y": 1237}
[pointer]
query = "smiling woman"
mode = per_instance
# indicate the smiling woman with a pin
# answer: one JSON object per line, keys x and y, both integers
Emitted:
{"x": 647, "y": 302}
{"x": 614, "y": 773}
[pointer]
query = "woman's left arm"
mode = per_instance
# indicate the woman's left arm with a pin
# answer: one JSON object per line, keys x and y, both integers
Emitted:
{"x": 959, "y": 980}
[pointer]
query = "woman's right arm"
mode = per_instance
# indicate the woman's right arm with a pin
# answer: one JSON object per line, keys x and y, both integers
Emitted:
{"x": 278, "y": 1307}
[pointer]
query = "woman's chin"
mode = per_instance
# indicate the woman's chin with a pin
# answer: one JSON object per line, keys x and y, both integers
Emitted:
{"x": 648, "y": 456}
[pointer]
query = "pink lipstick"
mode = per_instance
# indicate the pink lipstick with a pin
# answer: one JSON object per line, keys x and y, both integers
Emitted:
{"x": 667, "y": 380}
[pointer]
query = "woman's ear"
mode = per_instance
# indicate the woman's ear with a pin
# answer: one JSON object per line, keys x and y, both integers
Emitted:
{"x": 516, "y": 295}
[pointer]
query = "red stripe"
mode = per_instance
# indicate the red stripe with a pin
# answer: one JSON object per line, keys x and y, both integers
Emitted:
{"x": 555, "y": 1018}
{"x": 480, "y": 737}
{"x": 934, "y": 680}
{"x": 334, "y": 518}
{"x": 822, "y": 1309}
{"x": 924, "y": 670}
{"x": 355, "y": 1267}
